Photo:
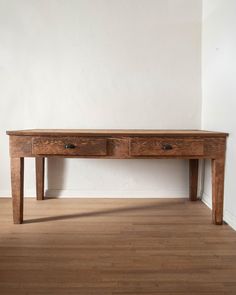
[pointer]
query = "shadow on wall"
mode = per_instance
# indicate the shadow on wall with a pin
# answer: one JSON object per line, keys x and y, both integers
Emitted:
{"x": 56, "y": 169}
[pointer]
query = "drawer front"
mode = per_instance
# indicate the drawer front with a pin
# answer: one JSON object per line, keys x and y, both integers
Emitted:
{"x": 166, "y": 147}
{"x": 69, "y": 146}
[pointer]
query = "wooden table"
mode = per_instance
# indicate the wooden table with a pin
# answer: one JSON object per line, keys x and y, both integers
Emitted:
{"x": 118, "y": 144}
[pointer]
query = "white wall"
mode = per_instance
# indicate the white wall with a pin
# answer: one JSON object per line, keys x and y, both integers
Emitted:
{"x": 219, "y": 89}
{"x": 101, "y": 64}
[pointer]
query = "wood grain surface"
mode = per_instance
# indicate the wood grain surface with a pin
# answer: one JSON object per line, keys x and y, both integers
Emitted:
{"x": 218, "y": 174}
{"x": 40, "y": 167}
{"x": 82, "y": 146}
{"x": 118, "y": 144}
{"x": 115, "y": 247}
{"x": 111, "y": 132}
{"x": 154, "y": 146}
{"x": 17, "y": 186}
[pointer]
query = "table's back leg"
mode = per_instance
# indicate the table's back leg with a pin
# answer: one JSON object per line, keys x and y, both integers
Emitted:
{"x": 193, "y": 179}
{"x": 17, "y": 183}
{"x": 218, "y": 171}
{"x": 39, "y": 164}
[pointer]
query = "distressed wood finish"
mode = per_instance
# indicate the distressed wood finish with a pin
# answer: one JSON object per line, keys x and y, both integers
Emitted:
{"x": 155, "y": 146}
{"x": 115, "y": 132}
{"x": 118, "y": 147}
{"x": 17, "y": 185}
{"x": 20, "y": 146}
{"x": 82, "y": 146}
{"x": 218, "y": 167}
{"x": 39, "y": 166}
{"x": 120, "y": 144}
{"x": 193, "y": 179}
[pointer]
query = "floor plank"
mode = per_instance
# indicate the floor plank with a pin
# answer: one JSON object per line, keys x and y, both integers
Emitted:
{"x": 115, "y": 246}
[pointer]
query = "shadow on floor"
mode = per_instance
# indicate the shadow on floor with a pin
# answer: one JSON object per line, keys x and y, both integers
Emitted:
{"x": 101, "y": 212}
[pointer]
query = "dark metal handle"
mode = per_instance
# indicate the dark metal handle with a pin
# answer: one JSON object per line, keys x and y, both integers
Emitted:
{"x": 167, "y": 147}
{"x": 70, "y": 146}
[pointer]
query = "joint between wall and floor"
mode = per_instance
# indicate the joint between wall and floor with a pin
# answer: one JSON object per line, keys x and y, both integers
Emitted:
{"x": 229, "y": 218}
{"x": 60, "y": 193}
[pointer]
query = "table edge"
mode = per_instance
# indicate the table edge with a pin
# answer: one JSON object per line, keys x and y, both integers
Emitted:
{"x": 116, "y": 132}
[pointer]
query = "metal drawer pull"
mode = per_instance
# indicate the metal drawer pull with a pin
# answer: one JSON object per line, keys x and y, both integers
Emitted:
{"x": 167, "y": 147}
{"x": 70, "y": 146}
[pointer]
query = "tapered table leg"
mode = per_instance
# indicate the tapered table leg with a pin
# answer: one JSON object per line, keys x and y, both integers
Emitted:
{"x": 218, "y": 171}
{"x": 17, "y": 183}
{"x": 39, "y": 164}
{"x": 193, "y": 179}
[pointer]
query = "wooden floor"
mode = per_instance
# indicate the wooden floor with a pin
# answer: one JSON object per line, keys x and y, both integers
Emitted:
{"x": 115, "y": 246}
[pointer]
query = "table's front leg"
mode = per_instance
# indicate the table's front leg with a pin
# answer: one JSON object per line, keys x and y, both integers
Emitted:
{"x": 218, "y": 172}
{"x": 17, "y": 184}
{"x": 39, "y": 164}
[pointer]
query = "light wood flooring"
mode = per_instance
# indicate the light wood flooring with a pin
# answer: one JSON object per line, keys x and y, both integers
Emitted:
{"x": 115, "y": 246}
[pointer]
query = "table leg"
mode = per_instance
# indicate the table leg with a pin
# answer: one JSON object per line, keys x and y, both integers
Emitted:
{"x": 218, "y": 171}
{"x": 17, "y": 183}
{"x": 39, "y": 164}
{"x": 193, "y": 179}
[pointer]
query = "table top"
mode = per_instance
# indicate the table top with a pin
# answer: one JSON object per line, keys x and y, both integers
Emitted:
{"x": 114, "y": 132}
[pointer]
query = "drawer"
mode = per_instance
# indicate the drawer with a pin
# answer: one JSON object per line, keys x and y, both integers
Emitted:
{"x": 69, "y": 146}
{"x": 155, "y": 146}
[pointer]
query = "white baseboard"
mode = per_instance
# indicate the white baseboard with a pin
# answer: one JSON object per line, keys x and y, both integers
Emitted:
{"x": 206, "y": 199}
{"x": 229, "y": 218}
{"x": 115, "y": 194}
{"x": 105, "y": 194}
